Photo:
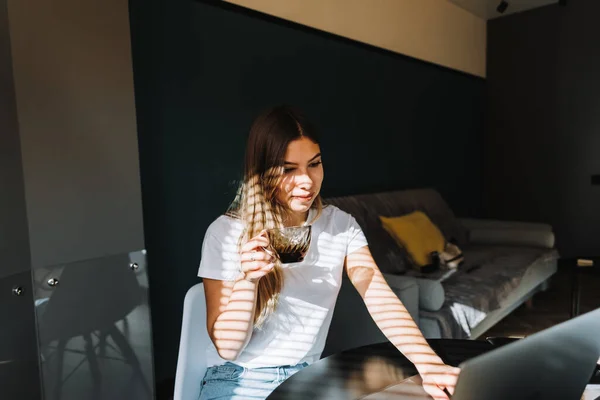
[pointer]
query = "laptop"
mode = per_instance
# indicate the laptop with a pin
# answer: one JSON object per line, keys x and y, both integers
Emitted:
{"x": 556, "y": 363}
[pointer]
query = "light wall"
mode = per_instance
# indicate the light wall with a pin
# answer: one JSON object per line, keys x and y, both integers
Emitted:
{"x": 74, "y": 95}
{"x": 432, "y": 30}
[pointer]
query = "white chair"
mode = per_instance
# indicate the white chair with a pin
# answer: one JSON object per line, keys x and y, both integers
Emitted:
{"x": 191, "y": 362}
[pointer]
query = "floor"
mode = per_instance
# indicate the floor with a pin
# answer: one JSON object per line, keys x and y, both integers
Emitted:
{"x": 550, "y": 307}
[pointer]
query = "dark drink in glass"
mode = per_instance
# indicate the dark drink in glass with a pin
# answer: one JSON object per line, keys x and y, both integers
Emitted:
{"x": 290, "y": 243}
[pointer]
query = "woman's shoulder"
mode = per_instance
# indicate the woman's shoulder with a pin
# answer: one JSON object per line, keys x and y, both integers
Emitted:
{"x": 225, "y": 225}
{"x": 335, "y": 214}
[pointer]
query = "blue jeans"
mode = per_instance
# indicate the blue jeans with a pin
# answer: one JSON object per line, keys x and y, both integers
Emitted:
{"x": 231, "y": 381}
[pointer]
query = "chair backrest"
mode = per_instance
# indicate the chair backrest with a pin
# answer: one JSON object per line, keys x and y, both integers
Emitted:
{"x": 191, "y": 362}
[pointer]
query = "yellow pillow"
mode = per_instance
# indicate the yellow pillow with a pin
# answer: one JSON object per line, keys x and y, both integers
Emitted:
{"x": 417, "y": 234}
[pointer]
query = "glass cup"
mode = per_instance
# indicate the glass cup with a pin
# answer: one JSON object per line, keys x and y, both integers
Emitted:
{"x": 290, "y": 243}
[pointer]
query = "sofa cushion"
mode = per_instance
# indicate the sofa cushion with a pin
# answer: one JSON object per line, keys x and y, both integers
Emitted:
{"x": 367, "y": 208}
{"x": 392, "y": 204}
{"x": 388, "y": 256}
{"x": 417, "y": 234}
{"x": 489, "y": 275}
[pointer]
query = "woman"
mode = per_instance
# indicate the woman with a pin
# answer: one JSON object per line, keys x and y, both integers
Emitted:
{"x": 267, "y": 320}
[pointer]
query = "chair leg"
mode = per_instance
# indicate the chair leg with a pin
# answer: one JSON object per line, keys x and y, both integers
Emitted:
{"x": 60, "y": 356}
{"x": 94, "y": 366}
{"x": 125, "y": 327}
{"x": 102, "y": 343}
{"x": 121, "y": 342}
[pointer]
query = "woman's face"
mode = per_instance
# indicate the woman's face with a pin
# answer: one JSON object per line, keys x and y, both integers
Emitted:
{"x": 302, "y": 177}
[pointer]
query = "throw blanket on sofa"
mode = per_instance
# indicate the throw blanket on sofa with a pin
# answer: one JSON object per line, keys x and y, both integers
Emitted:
{"x": 495, "y": 271}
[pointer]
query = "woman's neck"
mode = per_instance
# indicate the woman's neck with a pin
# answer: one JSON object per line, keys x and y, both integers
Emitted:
{"x": 295, "y": 219}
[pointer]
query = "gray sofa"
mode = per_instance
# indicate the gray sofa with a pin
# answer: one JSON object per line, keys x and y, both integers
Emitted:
{"x": 506, "y": 263}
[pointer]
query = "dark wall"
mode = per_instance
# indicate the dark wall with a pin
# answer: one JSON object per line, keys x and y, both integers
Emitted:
{"x": 202, "y": 72}
{"x": 543, "y": 130}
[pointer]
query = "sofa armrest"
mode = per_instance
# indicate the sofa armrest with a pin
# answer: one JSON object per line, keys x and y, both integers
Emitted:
{"x": 481, "y": 231}
{"x": 407, "y": 290}
{"x": 431, "y": 294}
{"x": 472, "y": 223}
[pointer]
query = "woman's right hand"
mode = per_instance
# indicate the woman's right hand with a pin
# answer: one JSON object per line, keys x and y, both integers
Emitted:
{"x": 256, "y": 260}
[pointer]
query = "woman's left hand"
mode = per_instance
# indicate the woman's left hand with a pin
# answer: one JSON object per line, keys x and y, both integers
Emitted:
{"x": 439, "y": 379}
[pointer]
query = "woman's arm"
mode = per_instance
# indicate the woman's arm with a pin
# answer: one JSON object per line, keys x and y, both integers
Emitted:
{"x": 230, "y": 306}
{"x": 230, "y": 314}
{"x": 397, "y": 325}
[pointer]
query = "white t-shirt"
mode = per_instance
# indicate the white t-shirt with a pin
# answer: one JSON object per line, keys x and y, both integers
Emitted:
{"x": 296, "y": 331}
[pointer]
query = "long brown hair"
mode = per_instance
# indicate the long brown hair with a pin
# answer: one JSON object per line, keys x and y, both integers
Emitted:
{"x": 256, "y": 204}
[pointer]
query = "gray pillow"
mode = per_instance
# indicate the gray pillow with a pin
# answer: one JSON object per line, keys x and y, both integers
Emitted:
{"x": 431, "y": 294}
